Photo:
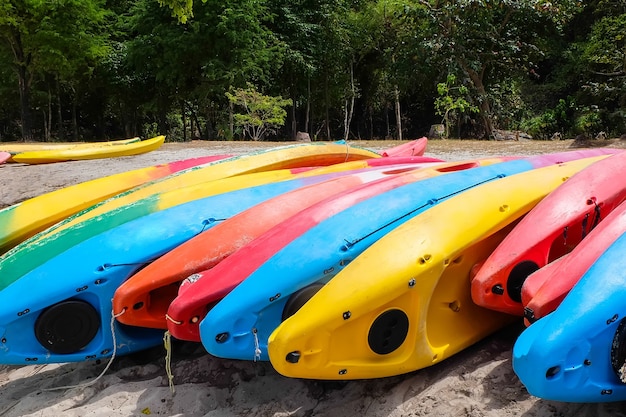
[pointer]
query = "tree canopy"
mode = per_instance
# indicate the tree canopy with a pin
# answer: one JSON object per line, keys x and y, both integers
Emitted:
{"x": 98, "y": 69}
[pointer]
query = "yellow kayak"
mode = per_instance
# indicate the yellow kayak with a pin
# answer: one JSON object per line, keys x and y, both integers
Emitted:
{"x": 88, "y": 152}
{"x": 405, "y": 303}
{"x": 286, "y": 157}
{"x": 17, "y": 147}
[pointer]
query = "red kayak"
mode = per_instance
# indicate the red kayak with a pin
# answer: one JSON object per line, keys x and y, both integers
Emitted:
{"x": 550, "y": 230}
{"x": 414, "y": 148}
{"x": 544, "y": 290}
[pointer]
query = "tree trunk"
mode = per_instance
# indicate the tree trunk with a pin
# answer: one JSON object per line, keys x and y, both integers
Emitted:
{"x": 294, "y": 125}
{"x": 194, "y": 117}
{"x": 308, "y": 104}
{"x": 371, "y": 120}
{"x": 485, "y": 106}
{"x": 60, "y": 130}
{"x": 74, "y": 119}
{"x": 184, "y": 119}
{"x": 24, "y": 81}
{"x": 231, "y": 120}
{"x": 49, "y": 123}
{"x": 396, "y": 97}
{"x": 327, "y": 105}
{"x": 388, "y": 135}
{"x": 348, "y": 118}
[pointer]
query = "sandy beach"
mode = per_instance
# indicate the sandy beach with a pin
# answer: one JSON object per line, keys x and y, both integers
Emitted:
{"x": 477, "y": 382}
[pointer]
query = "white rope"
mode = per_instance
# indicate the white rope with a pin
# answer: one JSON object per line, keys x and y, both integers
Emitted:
{"x": 104, "y": 371}
{"x": 257, "y": 348}
{"x": 167, "y": 343}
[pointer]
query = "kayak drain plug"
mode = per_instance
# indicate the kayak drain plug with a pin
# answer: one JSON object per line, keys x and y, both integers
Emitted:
{"x": 222, "y": 337}
{"x": 497, "y": 289}
{"x": 293, "y": 357}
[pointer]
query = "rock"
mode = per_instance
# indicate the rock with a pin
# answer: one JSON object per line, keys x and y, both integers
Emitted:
{"x": 303, "y": 137}
{"x": 437, "y": 131}
{"x": 510, "y": 135}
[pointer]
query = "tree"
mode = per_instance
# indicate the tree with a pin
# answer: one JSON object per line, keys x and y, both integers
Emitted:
{"x": 62, "y": 38}
{"x": 262, "y": 114}
{"x": 488, "y": 41}
{"x": 452, "y": 98}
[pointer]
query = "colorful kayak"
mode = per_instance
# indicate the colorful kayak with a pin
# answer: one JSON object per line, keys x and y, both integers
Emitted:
{"x": 4, "y": 156}
{"x": 578, "y": 352}
{"x": 22, "y": 220}
{"x": 58, "y": 310}
{"x": 316, "y": 154}
{"x": 153, "y": 288}
{"x": 84, "y": 153}
{"x": 544, "y": 289}
{"x": 405, "y": 303}
{"x": 309, "y": 248}
{"x": 549, "y": 231}
{"x": 415, "y": 147}
{"x": 17, "y": 147}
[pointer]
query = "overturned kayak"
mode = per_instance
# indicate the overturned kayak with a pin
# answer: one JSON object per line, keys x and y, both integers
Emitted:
{"x": 88, "y": 152}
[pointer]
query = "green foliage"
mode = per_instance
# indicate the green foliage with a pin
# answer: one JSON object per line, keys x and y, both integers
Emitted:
{"x": 358, "y": 68}
{"x": 452, "y": 101}
{"x": 261, "y": 114}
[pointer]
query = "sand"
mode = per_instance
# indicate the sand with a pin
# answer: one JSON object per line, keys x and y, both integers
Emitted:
{"x": 477, "y": 382}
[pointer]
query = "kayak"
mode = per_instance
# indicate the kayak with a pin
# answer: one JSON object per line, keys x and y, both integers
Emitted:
{"x": 416, "y": 147}
{"x": 405, "y": 304}
{"x": 544, "y": 289}
{"x": 578, "y": 352}
{"x": 17, "y": 147}
{"x": 275, "y": 273}
{"x": 88, "y": 152}
{"x": 551, "y": 229}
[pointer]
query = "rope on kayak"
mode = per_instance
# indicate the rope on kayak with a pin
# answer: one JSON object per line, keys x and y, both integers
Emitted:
{"x": 257, "y": 348}
{"x": 167, "y": 343}
{"x": 172, "y": 320}
{"x": 585, "y": 220}
{"x": 430, "y": 202}
{"x": 104, "y": 371}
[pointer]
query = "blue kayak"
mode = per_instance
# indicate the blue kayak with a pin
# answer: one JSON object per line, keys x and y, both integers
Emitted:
{"x": 239, "y": 325}
{"x": 578, "y": 352}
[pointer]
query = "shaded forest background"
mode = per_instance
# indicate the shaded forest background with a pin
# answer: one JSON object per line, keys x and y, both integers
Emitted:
{"x": 360, "y": 69}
